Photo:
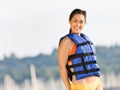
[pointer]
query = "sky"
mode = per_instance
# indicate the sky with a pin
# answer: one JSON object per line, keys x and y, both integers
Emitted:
{"x": 31, "y": 27}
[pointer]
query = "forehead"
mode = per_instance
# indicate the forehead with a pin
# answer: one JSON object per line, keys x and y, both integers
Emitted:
{"x": 78, "y": 16}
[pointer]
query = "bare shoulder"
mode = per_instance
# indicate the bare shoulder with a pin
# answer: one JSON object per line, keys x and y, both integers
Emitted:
{"x": 64, "y": 49}
{"x": 66, "y": 42}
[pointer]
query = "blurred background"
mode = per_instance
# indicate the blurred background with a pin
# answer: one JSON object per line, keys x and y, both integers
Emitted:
{"x": 29, "y": 35}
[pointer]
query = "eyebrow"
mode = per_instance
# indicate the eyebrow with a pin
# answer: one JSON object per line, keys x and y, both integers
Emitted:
{"x": 80, "y": 19}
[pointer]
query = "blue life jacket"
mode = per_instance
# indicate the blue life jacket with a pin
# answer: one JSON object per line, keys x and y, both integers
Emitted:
{"x": 84, "y": 59}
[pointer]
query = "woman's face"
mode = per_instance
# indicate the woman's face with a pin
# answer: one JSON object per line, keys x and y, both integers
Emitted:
{"x": 77, "y": 23}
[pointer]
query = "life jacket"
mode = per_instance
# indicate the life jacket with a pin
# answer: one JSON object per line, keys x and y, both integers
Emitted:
{"x": 84, "y": 59}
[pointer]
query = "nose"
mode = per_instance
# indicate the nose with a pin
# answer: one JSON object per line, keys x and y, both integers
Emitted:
{"x": 78, "y": 24}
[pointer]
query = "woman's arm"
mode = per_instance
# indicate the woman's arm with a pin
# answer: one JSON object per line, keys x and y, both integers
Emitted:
{"x": 100, "y": 87}
{"x": 63, "y": 52}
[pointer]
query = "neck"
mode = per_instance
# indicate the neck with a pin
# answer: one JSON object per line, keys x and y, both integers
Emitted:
{"x": 77, "y": 33}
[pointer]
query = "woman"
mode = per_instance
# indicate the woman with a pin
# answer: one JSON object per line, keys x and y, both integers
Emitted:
{"x": 76, "y": 57}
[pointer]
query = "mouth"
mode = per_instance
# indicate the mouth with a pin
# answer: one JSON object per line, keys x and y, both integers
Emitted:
{"x": 76, "y": 28}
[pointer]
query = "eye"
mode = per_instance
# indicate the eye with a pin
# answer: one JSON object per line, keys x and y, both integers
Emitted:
{"x": 81, "y": 21}
{"x": 74, "y": 20}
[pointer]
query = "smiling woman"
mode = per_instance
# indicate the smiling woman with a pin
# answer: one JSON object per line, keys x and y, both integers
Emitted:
{"x": 77, "y": 21}
{"x": 77, "y": 57}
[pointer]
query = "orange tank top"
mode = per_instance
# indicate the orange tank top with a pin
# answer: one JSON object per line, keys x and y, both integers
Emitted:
{"x": 72, "y": 51}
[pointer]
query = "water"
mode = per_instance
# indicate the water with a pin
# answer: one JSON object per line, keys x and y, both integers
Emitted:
{"x": 37, "y": 84}
{"x": 113, "y": 89}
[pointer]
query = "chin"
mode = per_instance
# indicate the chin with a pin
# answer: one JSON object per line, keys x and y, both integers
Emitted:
{"x": 77, "y": 31}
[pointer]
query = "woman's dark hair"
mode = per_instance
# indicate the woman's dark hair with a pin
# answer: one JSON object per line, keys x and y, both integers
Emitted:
{"x": 77, "y": 11}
